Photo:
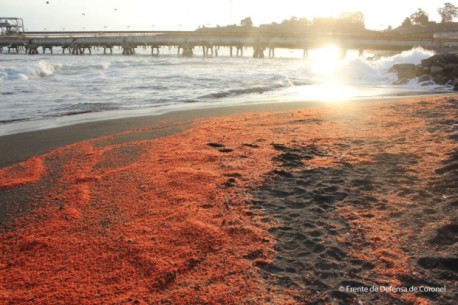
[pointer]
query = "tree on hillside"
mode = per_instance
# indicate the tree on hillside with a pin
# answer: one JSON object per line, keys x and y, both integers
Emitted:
{"x": 448, "y": 12}
{"x": 246, "y": 22}
{"x": 420, "y": 17}
{"x": 406, "y": 23}
{"x": 295, "y": 22}
{"x": 354, "y": 18}
{"x": 346, "y": 22}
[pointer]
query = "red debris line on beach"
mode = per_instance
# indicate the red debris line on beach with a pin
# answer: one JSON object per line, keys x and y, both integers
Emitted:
{"x": 166, "y": 220}
{"x": 378, "y": 227}
{"x": 23, "y": 173}
{"x": 150, "y": 222}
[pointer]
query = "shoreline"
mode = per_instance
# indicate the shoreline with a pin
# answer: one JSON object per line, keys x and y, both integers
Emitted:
{"x": 300, "y": 205}
{"x": 19, "y": 147}
{"x": 139, "y": 113}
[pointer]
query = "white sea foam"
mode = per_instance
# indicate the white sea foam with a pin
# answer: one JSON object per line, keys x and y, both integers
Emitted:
{"x": 24, "y": 72}
{"x": 376, "y": 71}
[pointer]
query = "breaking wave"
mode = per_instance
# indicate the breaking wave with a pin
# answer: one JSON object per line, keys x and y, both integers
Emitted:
{"x": 376, "y": 70}
{"x": 36, "y": 70}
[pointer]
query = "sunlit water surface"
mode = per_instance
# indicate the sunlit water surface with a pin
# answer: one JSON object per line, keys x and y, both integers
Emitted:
{"x": 46, "y": 91}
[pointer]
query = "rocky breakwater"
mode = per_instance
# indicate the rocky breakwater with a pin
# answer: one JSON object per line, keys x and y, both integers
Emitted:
{"x": 441, "y": 69}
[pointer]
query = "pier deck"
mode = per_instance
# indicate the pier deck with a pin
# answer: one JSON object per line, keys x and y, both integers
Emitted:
{"x": 78, "y": 42}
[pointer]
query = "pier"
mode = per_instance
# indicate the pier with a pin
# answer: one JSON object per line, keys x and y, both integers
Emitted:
{"x": 78, "y": 43}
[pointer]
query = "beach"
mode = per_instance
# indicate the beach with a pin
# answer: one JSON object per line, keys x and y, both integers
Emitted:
{"x": 283, "y": 203}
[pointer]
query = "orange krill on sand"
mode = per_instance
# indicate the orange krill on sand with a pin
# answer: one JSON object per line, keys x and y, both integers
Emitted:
{"x": 306, "y": 201}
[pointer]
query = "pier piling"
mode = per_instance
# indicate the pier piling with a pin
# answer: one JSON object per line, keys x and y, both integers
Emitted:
{"x": 47, "y": 48}
{"x": 127, "y": 50}
{"x": 305, "y": 55}
{"x": 343, "y": 53}
{"x": 258, "y": 52}
{"x": 271, "y": 52}
{"x": 239, "y": 51}
{"x": 31, "y": 49}
{"x": 155, "y": 48}
{"x": 187, "y": 51}
{"x": 107, "y": 47}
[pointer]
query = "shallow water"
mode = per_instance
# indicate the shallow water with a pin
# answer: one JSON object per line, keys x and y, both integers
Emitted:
{"x": 47, "y": 91}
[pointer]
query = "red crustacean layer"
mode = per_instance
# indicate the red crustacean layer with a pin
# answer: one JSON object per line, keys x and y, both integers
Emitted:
{"x": 168, "y": 221}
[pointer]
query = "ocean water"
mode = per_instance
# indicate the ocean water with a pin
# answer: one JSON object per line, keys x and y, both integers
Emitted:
{"x": 46, "y": 91}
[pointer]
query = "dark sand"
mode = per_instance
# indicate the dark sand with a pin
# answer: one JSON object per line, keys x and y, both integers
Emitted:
{"x": 389, "y": 220}
{"x": 297, "y": 206}
{"x": 20, "y": 147}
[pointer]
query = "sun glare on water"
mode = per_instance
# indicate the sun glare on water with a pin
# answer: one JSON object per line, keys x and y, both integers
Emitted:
{"x": 331, "y": 92}
{"x": 324, "y": 64}
{"x": 325, "y": 60}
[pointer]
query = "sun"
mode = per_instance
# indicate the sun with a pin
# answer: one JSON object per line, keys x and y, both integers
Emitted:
{"x": 326, "y": 60}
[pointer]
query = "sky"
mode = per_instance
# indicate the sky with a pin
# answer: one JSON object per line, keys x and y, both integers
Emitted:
{"x": 145, "y": 15}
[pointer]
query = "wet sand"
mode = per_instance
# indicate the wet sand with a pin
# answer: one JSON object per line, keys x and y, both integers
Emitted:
{"x": 300, "y": 205}
{"x": 20, "y": 147}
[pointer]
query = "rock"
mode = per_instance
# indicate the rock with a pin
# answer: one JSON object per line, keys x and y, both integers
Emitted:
{"x": 425, "y": 78}
{"x": 454, "y": 73}
{"x": 428, "y": 62}
{"x": 436, "y": 70}
{"x": 450, "y": 58}
{"x": 401, "y": 81}
{"x": 423, "y": 70}
{"x": 440, "y": 68}
{"x": 439, "y": 60}
{"x": 420, "y": 70}
{"x": 407, "y": 71}
{"x": 450, "y": 68}
{"x": 440, "y": 79}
